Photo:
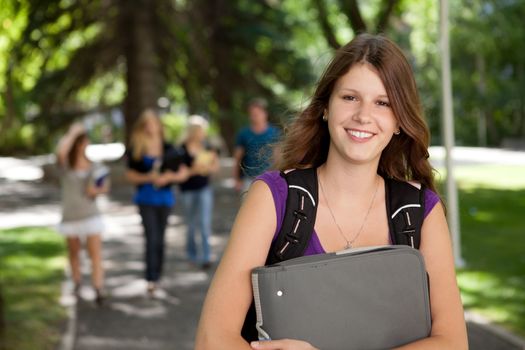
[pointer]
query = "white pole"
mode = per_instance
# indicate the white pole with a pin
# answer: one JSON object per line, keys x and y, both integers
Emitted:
{"x": 448, "y": 133}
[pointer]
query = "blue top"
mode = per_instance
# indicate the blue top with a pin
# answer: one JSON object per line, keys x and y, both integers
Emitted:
{"x": 147, "y": 194}
{"x": 257, "y": 150}
{"x": 279, "y": 189}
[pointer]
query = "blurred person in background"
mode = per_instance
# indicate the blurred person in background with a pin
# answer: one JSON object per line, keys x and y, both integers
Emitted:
{"x": 147, "y": 155}
{"x": 196, "y": 191}
{"x": 81, "y": 218}
{"x": 253, "y": 151}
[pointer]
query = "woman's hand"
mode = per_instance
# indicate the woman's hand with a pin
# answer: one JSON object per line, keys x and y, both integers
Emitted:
{"x": 163, "y": 179}
{"x": 92, "y": 191}
{"x": 181, "y": 175}
{"x": 76, "y": 129}
{"x": 169, "y": 176}
{"x": 200, "y": 169}
{"x": 283, "y": 344}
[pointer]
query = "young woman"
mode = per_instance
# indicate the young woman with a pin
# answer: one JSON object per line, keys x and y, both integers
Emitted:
{"x": 153, "y": 196}
{"x": 80, "y": 216}
{"x": 363, "y": 123}
{"x": 196, "y": 192}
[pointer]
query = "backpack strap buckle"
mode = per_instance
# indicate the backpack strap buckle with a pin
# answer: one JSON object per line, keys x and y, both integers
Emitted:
{"x": 409, "y": 229}
{"x": 405, "y": 206}
{"x": 298, "y": 222}
{"x": 293, "y": 236}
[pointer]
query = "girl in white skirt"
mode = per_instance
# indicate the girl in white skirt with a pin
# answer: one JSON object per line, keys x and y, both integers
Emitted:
{"x": 81, "y": 218}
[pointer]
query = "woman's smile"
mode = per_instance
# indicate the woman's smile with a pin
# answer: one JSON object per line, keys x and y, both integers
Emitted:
{"x": 359, "y": 135}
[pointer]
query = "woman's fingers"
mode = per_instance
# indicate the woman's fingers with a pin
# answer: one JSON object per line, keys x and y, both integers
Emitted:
{"x": 283, "y": 344}
{"x": 267, "y": 345}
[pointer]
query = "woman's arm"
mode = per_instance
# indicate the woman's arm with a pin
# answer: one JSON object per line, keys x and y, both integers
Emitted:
{"x": 238, "y": 154}
{"x": 93, "y": 191}
{"x": 208, "y": 168}
{"x": 170, "y": 176}
{"x": 215, "y": 164}
{"x": 448, "y": 323}
{"x": 66, "y": 141}
{"x": 230, "y": 293}
{"x": 138, "y": 178}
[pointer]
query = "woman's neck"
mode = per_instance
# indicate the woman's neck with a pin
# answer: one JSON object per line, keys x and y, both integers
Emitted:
{"x": 194, "y": 146}
{"x": 82, "y": 163}
{"x": 347, "y": 178}
{"x": 154, "y": 146}
{"x": 194, "y": 143}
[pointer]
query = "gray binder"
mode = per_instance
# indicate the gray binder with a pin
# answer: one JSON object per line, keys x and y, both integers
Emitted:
{"x": 361, "y": 298}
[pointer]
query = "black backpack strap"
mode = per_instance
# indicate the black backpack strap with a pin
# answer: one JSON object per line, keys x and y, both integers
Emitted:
{"x": 296, "y": 230}
{"x": 299, "y": 218}
{"x": 405, "y": 208}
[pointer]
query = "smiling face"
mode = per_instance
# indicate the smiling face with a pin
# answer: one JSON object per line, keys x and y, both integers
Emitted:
{"x": 361, "y": 121}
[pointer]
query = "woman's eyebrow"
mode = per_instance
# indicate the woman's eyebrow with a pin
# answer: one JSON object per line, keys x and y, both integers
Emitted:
{"x": 358, "y": 92}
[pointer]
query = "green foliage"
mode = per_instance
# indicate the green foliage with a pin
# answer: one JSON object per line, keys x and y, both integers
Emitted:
{"x": 489, "y": 75}
{"x": 32, "y": 264}
{"x": 174, "y": 126}
{"x": 61, "y": 60}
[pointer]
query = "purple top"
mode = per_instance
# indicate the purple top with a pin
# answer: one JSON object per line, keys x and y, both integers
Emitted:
{"x": 279, "y": 191}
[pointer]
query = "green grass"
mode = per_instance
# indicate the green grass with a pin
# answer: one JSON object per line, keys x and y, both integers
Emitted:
{"x": 492, "y": 214}
{"x": 31, "y": 270}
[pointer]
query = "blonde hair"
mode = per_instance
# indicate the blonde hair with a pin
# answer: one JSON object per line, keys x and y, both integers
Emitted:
{"x": 139, "y": 137}
{"x": 195, "y": 122}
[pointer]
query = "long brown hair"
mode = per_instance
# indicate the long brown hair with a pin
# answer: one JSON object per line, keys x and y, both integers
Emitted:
{"x": 406, "y": 156}
{"x": 73, "y": 154}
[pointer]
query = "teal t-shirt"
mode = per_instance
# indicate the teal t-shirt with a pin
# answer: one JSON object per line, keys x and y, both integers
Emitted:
{"x": 257, "y": 149}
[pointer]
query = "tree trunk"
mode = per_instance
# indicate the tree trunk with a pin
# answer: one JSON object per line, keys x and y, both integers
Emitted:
{"x": 224, "y": 76}
{"x": 322, "y": 17}
{"x": 10, "y": 109}
{"x": 142, "y": 66}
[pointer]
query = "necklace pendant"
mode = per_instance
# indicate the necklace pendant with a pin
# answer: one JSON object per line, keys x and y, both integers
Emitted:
{"x": 348, "y": 245}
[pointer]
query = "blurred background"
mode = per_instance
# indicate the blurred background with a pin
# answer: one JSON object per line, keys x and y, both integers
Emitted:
{"x": 107, "y": 60}
{"x": 102, "y": 62}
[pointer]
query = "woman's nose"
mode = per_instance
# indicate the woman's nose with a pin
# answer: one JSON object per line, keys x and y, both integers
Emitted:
{"x": 363, "y": 113}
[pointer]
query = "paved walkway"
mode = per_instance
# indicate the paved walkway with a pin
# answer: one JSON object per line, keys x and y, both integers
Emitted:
{"x": 129, "y": 320}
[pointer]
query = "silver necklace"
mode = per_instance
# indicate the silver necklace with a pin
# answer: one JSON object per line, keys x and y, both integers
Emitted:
{"x": 349, "y": 242}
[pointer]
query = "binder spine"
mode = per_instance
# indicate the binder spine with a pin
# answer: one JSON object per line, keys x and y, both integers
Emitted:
{"x": 258, "y": 309}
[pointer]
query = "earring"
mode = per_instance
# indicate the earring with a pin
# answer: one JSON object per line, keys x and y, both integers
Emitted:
{"x": 397, "y": 132}
{"x": 325, "y": 117}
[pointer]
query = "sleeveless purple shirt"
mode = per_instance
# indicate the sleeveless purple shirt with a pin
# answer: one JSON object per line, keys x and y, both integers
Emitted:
{"x": 279, "y": 189}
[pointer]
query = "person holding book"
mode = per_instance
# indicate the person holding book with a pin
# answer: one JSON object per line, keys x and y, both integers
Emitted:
{"x": 81, "y": 183}
{"x": 363, "y": 125}
{"x": 148, "y": 155}
{"x": 196, "y": 191}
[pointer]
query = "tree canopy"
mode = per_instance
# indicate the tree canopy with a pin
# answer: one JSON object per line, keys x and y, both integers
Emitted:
{"x": 60, "y": 60}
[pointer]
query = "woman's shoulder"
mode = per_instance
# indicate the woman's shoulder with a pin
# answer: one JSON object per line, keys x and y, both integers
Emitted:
{"x": 430, "y": 197}
{"x": 277, "y": 185}
{"x": 273, "y": 179}
{"x": 279, "y": 189}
